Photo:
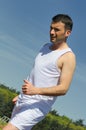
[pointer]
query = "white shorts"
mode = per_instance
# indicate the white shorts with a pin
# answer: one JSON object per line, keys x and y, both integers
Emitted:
{"x": 25, "y": 116}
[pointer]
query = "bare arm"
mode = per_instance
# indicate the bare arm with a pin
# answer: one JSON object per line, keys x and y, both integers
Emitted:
{"x": 67, "y": 65}
{"x": 67, "y": 71}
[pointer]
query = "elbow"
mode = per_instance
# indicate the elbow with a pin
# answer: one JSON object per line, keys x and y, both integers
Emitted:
{"x": 63, "y": 89}
{"x": 63, "y": 92}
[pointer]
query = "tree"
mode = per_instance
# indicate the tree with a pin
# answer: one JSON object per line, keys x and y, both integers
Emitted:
{"x": 54, "y": 112}
{"x": 79, "y": 122}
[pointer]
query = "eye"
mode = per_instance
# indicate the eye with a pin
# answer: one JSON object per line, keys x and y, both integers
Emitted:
{"x": 56, "y": 29}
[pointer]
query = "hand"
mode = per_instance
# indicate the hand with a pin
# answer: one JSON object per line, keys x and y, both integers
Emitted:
{"x": 28, "y": 88}
{"x": 15, "y": 99}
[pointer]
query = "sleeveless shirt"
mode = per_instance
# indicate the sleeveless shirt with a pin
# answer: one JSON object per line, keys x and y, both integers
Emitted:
{"x": 45, "y": 73}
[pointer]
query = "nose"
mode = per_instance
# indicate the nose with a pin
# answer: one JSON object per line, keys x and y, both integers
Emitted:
{"x": 52, "y": 31}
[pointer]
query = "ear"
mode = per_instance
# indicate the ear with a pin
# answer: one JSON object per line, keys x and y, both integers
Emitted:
{"x": 68, "y": 32}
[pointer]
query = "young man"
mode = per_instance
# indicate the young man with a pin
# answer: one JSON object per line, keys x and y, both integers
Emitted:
{"x": 50, "y": 77}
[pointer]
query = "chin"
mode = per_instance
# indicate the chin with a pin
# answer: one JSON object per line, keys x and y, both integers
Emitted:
{"x": 53, "y": 41}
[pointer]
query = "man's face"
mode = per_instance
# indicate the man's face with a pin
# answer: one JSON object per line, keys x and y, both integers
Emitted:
{"x": 57, "y": 32}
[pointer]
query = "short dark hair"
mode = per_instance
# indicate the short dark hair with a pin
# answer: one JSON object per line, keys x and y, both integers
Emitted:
{"x": 64, "y": 18}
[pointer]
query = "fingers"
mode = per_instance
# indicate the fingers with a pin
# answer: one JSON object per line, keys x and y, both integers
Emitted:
{"x": 15, "y": 99}
{"x": 26, "y": 84}
{"x": 26, "y": 81}
{"x": 26, "y": 87}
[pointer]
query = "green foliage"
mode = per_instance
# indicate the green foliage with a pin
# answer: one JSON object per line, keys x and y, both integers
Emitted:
{"x": 6, "y": 96}
{"x": 79, "y": 122}
{"x": 53, "y": 121}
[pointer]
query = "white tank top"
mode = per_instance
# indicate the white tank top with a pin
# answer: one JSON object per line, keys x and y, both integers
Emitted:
{"x": 45, "y": 73}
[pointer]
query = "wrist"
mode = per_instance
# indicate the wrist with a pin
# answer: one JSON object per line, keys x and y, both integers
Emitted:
{"x": 38, "y": 91}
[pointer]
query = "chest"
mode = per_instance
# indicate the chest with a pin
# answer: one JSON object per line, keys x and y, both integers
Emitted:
{"x": 47, "y": 62}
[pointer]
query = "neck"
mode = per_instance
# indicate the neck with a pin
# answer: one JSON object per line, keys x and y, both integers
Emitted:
{"x": 59, "y": 46}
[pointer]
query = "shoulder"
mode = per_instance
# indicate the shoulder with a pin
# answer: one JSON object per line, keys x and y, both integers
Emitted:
{"x": 68, "y": 59}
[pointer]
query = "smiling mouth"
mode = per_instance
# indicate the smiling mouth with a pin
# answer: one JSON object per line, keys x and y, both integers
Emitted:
{"x": 53, "y": 37}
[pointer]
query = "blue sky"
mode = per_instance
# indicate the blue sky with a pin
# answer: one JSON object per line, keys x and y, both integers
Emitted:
{"x": 24, "y": 28}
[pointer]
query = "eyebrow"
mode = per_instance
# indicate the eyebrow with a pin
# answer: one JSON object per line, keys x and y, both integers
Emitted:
{"x": 55, "y": 27}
